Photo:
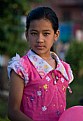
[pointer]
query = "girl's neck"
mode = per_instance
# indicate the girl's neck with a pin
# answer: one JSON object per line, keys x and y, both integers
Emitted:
{"x": 49, "y": 58}
{"x": 45, "y": 57}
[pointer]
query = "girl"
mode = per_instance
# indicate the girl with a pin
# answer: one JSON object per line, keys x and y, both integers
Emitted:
{"x": 39, "y": 79}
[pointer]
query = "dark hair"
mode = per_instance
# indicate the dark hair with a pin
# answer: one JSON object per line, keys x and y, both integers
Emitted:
{"x": 40, "y": 13}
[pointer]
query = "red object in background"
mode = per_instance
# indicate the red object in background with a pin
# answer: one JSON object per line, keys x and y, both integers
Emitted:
{"x": 74, "y": 113}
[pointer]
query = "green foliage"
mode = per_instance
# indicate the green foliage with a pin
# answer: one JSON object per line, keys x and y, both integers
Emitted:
{"x": 77, "y": 93}
{"x": 74, "y": 56}
{"x": 3, "y": 108}
{"x": 11, "y": 26}
{"x": 4, "y": 119}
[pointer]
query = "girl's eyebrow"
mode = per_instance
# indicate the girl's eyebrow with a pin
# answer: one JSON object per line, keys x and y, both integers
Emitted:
{"x": 33, "y": 30}
{"x": 47, "y": 30}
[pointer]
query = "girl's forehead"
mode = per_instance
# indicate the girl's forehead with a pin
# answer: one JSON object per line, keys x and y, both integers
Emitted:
{"x": 40, "y": 24}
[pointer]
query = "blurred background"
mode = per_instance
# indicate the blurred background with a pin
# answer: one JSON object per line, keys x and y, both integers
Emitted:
{"x": 69, "y": 46}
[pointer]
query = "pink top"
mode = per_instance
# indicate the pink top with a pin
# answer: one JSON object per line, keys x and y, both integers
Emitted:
{"x": 44, "y": 94}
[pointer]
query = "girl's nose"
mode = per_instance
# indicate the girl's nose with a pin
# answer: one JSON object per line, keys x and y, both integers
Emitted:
{"x": 40, "y": 38}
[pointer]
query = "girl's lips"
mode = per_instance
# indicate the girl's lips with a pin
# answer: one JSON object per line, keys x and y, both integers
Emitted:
{"x": 39, "y": 46}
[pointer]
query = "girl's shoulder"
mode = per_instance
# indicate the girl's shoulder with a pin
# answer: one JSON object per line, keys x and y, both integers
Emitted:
{"x": 18, "y": 60}
{"x": 19, "y": 65}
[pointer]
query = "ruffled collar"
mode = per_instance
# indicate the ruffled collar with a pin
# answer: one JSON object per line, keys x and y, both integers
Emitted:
{"x": 43, "y": 67}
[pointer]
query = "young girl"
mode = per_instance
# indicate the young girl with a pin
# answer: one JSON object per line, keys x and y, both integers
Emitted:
{"x": 39, "y": 79}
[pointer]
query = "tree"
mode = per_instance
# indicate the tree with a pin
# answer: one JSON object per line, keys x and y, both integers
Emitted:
{"x": 11, "y": 26}
{"x": 74, "y": 57}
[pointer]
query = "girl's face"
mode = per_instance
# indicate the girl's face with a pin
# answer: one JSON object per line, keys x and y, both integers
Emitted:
{"x": 41, "y": 36}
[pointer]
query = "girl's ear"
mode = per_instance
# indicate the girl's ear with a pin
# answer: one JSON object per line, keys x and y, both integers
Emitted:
{"x": 56, "y": 35}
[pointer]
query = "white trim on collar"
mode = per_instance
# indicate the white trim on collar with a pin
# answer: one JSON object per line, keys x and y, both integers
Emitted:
{"x": 60, "y": 66}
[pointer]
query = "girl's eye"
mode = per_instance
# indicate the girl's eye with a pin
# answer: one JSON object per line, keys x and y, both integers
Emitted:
{"x": 46, "y": 34}
{"x": 33, "y": 33}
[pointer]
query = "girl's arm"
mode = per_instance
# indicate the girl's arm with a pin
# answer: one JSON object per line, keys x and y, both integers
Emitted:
{"x": 15, "y": 97}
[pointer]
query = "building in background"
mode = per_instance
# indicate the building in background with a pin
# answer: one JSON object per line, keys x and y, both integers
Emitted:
{"x": 70, "y": 13}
